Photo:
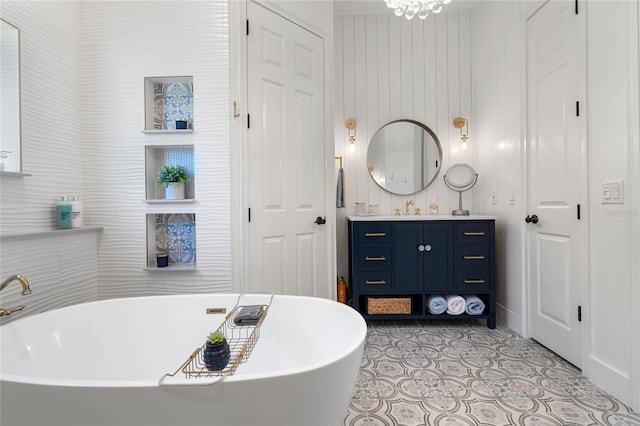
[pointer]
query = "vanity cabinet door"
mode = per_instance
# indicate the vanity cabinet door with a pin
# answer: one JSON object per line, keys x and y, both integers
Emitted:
{"x": 438, "y": 268}
{"x": 423, "y": 257}
{"x": 408, "y": 268}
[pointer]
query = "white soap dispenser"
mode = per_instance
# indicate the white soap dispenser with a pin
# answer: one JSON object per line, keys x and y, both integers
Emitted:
{"x": 76, "y": 212}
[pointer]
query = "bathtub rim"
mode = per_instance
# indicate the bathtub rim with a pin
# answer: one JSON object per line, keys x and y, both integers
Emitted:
{"x": 79, "y": 383}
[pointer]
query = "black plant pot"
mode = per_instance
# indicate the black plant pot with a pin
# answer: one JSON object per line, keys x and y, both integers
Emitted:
{"x": 216, "y": 355}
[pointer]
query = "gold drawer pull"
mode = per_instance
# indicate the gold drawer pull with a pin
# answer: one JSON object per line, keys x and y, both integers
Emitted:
{"x": 474, "y": 234}
{"x": 378, "y": 282}
{"x": 375, "y": 234}
{"x": 474, "y": 281}
{"x": 474, "y": 258}
{"x": 381, "y": 258}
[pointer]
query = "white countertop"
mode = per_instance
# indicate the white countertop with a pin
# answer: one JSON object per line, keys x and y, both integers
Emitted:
{"x": 392, "y": 218}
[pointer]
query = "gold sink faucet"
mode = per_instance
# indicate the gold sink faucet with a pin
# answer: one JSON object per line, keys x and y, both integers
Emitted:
{"x": 406, "y": 207}
{"x": 25, "y": 291}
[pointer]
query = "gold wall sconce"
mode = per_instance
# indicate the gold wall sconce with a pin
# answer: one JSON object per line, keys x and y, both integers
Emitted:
{"x": 350, "y": 124}
{"x": 462, "y": 123}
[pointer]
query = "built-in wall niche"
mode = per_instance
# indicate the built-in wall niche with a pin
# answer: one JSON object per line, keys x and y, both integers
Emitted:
{"x": 168, "y": 104}
{"x": 157, "y": 156}
{"x": 172, "y": 235}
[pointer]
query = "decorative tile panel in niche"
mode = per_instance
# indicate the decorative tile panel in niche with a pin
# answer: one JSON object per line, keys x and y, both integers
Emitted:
{"x": 172, "y": 101}
{"x": 176, "y": 236}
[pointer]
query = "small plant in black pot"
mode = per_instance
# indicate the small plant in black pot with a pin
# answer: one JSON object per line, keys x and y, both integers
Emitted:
{"x": 216, "y": 352}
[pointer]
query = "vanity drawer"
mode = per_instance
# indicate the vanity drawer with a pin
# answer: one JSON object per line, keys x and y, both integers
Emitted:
{"x": 374, "y": 281}
{"x": 472, "y": 257}
{"x": 473, "y": 280}
{"x": 374, "y": 258}
{"x": 373, "y": 234}
{"x": 472, "y": 233}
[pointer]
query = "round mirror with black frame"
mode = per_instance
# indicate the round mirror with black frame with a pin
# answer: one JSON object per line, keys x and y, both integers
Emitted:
{"x": 404, "y": 157}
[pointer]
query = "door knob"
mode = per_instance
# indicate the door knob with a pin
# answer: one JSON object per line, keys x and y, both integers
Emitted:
{"x": 320, "y": 220}
{"x": 531, "y": 219}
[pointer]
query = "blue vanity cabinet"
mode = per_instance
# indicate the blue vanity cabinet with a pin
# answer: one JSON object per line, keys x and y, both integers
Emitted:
{"x": 423, "y": 257}
{"x": 412, "y": 259}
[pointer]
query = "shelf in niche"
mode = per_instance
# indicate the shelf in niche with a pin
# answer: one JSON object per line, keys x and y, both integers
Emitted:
{"x": 175, "y": 155}
{"x": 164, "y": 201}
{"x": 156, "y": 132}
{"x": 174, "y": 268}
{"x": 167, "y": 99}
{"x": 173, "y": 234}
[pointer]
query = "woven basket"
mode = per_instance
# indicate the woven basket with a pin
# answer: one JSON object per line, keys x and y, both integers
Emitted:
{"x": 388, "y": 305}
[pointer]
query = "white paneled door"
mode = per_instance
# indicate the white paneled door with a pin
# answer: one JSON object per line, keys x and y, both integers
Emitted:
{"x": 287, "y": 253}
{"x": 554, "y": 174}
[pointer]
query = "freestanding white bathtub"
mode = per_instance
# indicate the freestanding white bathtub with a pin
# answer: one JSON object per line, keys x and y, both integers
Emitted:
{"x": 100, "y": 364}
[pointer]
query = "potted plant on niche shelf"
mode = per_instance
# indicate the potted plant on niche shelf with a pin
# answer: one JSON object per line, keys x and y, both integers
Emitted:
{"x": 173, "y": 179}
{"x": 216, "y": 352}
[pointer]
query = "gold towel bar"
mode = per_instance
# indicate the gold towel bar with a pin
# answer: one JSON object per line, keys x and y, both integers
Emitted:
{"x": 339, "y": 157}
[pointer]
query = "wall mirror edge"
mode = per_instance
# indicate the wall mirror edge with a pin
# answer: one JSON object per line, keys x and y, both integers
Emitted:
{"x": 11, "y": 102}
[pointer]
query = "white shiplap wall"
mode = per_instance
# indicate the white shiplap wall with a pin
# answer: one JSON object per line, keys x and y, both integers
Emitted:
{"x": 610, "y": 291}
{"x": 388, "y": 68}
{"x": 498, "y": 99}
{"x": 122, "y": 43}
{"x": 611, "y": 298}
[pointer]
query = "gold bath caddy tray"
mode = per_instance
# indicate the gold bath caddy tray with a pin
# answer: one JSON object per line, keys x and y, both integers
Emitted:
{"x": 241, "y": 339}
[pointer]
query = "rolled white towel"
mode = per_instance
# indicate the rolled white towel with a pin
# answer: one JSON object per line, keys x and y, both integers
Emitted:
{"x": 456, "y": 305}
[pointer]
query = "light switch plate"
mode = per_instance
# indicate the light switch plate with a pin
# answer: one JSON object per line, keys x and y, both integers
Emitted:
{"x": 613, "y": 192}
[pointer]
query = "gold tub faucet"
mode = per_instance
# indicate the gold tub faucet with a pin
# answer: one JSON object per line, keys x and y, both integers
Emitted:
{"x": 25, "y": 291}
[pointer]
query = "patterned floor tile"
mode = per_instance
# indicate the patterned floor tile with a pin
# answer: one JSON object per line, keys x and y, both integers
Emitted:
{"x": 462, "y": 373}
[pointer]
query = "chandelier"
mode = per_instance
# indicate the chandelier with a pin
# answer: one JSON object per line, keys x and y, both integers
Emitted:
{"x": 411, "y": 8}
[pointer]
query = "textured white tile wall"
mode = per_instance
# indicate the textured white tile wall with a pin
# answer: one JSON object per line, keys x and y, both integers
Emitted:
{"x": 61, "y": 266}
{"x": 51, "y": 114}
{"x": 83, "y": 69}
{"x": 122, "y": 43}
{"x": 388, "y": 68}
